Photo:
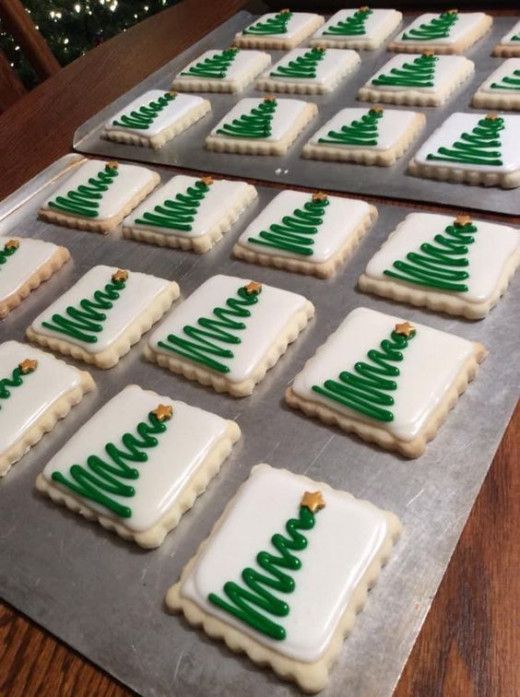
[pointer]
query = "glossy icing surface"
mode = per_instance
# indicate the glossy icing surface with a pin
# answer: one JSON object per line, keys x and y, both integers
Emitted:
{"x": 378, "y": 24}
{"x": 139, "y": 293}
{"x": 505, "y": 79}
{"x": 466, "y": 23}
{"x": 447, "y": 70}
{"x": 508, "y": 39}
{"x": 188, "y": 439}
{"x": 268, "y": 319}
{"x": 334, "y": 62}
{"x": 244, "y": 63}
{"x": 223, "y": 196}
{"x": 30, "y": 256}
{"x": 487, "y": 256}
{"x": 341, "y": 217}
{"x": 298, "y": 21}
{"x": 39, "y": 390}
{"x": 432, "y": 361}
{"x": 332, "y": 566}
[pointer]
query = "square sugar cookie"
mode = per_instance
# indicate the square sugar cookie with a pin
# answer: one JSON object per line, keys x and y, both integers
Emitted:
{"x": 190, "y": 212}
{"x": 155, "y": 117}
{"x": 364, "y": 28}
{"x": 459, "y": 266}
{"x": 99, "y": 195}
{"x": 279, "y": 30}
{"x": 446, "y": 32}
{"x": 100, "y": 317}
{"x": 501, "y": 90}
{"x": 229, "y": 333}
{"x": 509, "y": 44}
{"x": 309, "y": 71}
{"x": 388, "y": 381}
{"x": 139, "y": 464}
{"x": 417, "y": 80}
{"x": 373, "y": 136}
{"x": 308, "y": 233}
{"x": 261, "y": 126}
{"x": 24, "y": 265}
{"x": 36, "y": 390}
{"x": 229, "y": 70}
{"x": 291, "y": 615}
{"x": 472, "y": 149}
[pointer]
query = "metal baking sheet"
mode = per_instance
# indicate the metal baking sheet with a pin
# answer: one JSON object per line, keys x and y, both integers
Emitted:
{"x": 104, "y": 597}
{"x": 187, "y": 150}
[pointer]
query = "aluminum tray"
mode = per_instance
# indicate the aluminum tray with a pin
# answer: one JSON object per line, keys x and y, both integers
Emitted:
{"x": 104, "y": 597}
{"x": 187, "y": 150}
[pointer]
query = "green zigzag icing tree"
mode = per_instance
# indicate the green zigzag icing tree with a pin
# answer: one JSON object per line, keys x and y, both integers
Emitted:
{"x": 419, "y": 73}
{"x": 439, "y": 28}
{"x": 295, "y": 233}
{"x": 368, "y": 388}
{"x": 272, "y": 25}
{"x": 303, "y": 66}
{"x": 180, "y": 212}
{"x": 17, "y": 377}
{"x": 480, "y": 147}
{"x": 508, "y": 82}
{"x": 363, "y": 131}
{"x": 143, "y": 117}
{"x": 351, "y": 26}
{"x": 215, "y": 66}
{"x": 441, "y": 264}
{"x": 255, "y": 124}
{"x": 86, "y": 198}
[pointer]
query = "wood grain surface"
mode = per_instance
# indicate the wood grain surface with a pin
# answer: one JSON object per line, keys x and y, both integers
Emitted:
{"x": 470, "y": 643}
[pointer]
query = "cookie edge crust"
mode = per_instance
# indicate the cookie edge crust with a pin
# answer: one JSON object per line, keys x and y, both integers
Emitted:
{"x": 486, "y": 100}
{"x": 472, "y": 177}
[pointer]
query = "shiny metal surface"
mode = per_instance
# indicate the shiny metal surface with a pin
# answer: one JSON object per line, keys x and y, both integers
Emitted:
{"x": 187, "y": 150}
{"x": 104, "y": 597}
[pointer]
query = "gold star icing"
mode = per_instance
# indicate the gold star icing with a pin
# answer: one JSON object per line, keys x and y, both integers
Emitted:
{"x": 270, "y": 98}
{"x": 119, "y": 276}
{"x": 319, "y": 196}
{"x": 208, "y": 180}
{"x": 28, "y": 366}
{"x": 463, "y": 219}
{"x": 492, "y": 116}
{"x": 12, "y": 244}
{"x": 428, "y": 52}
{"x": 364, "y": 8}
{"x": 172, "y": 92}
{"x": 405, "y": 329}
{"x": 253, "y": 288}
{"x": 376, "y": 109}
{"x": 113, "y": 164}
{"x": 313, "y": 500}
{"x": 453, "y": 11}
{"x": 285, "y": 11}
{"x": 163, "y": 412}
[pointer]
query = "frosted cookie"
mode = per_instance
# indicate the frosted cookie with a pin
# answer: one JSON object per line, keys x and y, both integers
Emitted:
{"x": 276, "y": 580}
{"x": 190, "y": 213}
{"x": 230, "y": 70}
{"x": 309, "y": 71}
{"x": 99, "y": 195}
{"x": 155, "y": 117}
{"x": 388, "y": 381}
{"x": 309, "y": 233}
{"x": 36, "y": 390}
{"x": 280, "y": 30}
{"x": 139, "y": 464}
{"x": 417, "y": 80}
{"x": 265, "y": 126}
{"x": 103, "y": 315}
{"x": 24, "y": 265}
{"x": 501, "y": 90}
{"x": 363, "y": 28}
{"x": 509, "y": 44}
{"x": 373, "y": 136}
{"x": 445, "y": 32}
{"x": 229, "y": 333}
{"x": 459, "y": 266}
{"x": 472, "y": 149}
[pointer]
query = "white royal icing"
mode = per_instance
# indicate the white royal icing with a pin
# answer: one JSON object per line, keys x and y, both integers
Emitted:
{"x": 39, "y": 390}
{"x": 286, "y": 113}
{"x": 298, "y": 23}
{"x": 179, "y": 108}
{"x": 378, "y": 25}
{"x": 246, "y": 63}
{"x": 457, "y": 124}
{"x": 341, "y": 218}
{"x": 431, "y": 362}
{"x": 223, "y": 197}
{"x": 19, "y": 267}
{"x": 190, "y": 436}
{"x": 391, "y": 128}
{"x": 466, "y": 23}
{"x": 269, "y": 318}
{"x": 507, "y": 39}
{"x": 507, "y": 69}
{"x": 335, "y": 63}
{"x": 140, "y": 291}
{"x": 347, "y": 537}
{"x": 128, "y": 184}
{"x": 487, "y": 255}
{"x": 449, "y": 70}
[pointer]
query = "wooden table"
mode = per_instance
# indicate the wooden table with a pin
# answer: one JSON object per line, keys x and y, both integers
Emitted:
{"x": 470, "y": 643}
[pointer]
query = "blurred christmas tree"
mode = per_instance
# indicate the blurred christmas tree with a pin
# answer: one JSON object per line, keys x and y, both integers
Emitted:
{"x": 72, "y": 27}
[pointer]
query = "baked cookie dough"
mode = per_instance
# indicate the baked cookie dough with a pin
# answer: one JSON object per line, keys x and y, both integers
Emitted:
{"x": 279, "y": 30}
{"x": 501, "y": 90}
{"x": 364, "y": 28}
{"x": 509, "y": 45}
{"x": 229, "y": 70}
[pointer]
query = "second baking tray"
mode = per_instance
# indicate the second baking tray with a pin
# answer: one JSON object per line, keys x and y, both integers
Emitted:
{"x": 187, "y": 150}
